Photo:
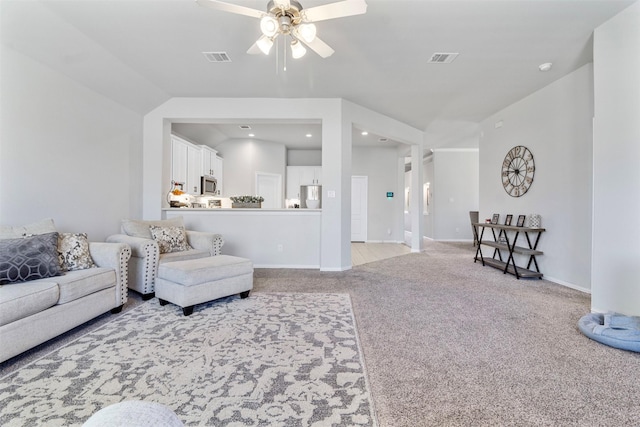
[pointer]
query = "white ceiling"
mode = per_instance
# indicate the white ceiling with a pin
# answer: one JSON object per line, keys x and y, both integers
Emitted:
{"x": 140, "y": 53}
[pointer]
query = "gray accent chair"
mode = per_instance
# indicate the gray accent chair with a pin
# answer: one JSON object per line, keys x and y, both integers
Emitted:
{"x": 145, "y": 252}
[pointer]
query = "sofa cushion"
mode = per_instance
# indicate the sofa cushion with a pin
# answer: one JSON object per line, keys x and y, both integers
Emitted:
{"x": 170, "y": 239}
{"x": 183, "y": 256}
{"x": 79, "y": 283}
{"x": 138, "y": 228}
{"x": 73, "y": 252}
{"x": 18, "y": 302}
{"x": 41, "y": 227}
{"x": 29, "y": 258}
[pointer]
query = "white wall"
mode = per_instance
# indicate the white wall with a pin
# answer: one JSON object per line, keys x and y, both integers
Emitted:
{"x": 337, "y": 117}
{"x": 555, "y": 123}
{"x": 67, "y": 153}
{"x": 428, "y": 218}
{"x": 616, "y": 151}
{"x": 269, "y": 238}
{"x": 455, "y": 192}
{"x": 380, "y": 166}
{"x": 304, "y": 157}
{"x": 243, "y": 158}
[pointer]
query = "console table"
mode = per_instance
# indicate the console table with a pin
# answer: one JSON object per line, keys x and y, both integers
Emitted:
{"x": 510, "y": 234}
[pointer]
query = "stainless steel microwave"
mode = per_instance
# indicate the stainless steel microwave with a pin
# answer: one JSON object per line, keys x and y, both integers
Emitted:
{"x": 209, "y": 186}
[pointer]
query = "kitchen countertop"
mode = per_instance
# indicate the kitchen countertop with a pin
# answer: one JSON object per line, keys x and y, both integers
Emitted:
{"x": 256, "y": 210}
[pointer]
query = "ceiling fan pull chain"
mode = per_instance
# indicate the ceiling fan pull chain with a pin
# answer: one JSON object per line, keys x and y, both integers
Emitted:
{"x": 277, "y": 57}
{"x": 284, "y": 46}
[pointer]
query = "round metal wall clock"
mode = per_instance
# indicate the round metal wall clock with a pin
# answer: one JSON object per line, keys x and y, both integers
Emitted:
{"x": 518, "y": 169}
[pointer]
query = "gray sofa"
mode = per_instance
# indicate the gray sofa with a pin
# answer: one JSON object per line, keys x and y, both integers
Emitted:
{"x": 146, "y": 255}
{"x": 32, "y": 312}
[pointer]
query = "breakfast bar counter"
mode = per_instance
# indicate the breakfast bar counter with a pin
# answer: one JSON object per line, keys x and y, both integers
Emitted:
{"x": 270, "y": 238}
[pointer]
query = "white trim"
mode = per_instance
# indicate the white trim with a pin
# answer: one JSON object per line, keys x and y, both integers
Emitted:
{"x": 473, "y": 150}
{"x": 315, "y": 267}
{"x": 453, "y": 240}
{"x": 337, "y": 269}
{"x": 567, "y": 284}
{"x": 384, "y": 241}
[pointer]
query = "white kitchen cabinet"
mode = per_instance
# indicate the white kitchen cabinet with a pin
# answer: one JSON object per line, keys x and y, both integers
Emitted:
{"x": 218, "y": 169}
{"x": 301, "y": 175}
{"x": 179, "y": 161}
{"x": 209, "y": 161}
{"x": 186, "y": 164}
{"x": 212, "y": 165}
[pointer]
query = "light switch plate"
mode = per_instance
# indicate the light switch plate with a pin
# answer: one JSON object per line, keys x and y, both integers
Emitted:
{"x": 331, "y": 194}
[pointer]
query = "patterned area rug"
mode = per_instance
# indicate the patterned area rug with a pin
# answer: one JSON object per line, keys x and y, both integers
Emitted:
{"x": 269, "y": 360}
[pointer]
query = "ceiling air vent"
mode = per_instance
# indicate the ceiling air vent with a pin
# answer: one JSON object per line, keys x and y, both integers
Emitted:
{"x": 217, "y": 56}
{"x": 443, "y": 58}
{"x": 244, "y": 127}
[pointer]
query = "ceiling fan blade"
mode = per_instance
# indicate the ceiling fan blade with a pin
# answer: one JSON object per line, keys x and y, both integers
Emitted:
{"x": 233, "y": 8}
{"x": 254, "y": 49}
{"x": 320, "y": 47}
{"x": 335, "y": 10}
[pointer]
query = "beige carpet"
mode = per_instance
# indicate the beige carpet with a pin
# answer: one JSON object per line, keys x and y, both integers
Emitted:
{"x": 448, "y": 342}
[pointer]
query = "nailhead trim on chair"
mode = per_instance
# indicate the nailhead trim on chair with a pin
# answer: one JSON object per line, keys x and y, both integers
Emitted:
{"x": 151, "y": 267}
{"x": 217, "y": 246}
{"x": 125, "y": 255}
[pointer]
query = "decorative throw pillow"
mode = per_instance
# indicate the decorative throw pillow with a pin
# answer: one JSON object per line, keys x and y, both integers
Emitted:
{"x": 140, "y": 228}
{"x": 29, "y": 258}
{"x": 170, "y": 239}
{"x": 73, "y": 252}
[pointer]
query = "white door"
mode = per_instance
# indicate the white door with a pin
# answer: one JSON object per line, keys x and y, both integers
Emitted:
{"x": 359, "y": 187}
{"x": 269, "y": 186}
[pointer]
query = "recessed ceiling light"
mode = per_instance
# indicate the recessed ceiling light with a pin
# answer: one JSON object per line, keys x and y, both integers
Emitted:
{"x": 365, "y": 133}
{"x": 309, "y": 135}
{"x": 251, "y": 135}
{"x": 545, "y": 67}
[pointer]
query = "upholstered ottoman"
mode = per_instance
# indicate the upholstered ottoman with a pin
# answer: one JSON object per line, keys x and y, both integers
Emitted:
{"x": 195, "y": 281}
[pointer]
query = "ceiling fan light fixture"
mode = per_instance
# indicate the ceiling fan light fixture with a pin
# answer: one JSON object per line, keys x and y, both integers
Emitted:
{"x": 265, "y": 44}
{"x": 268, "y": 25}
{"x": 307, "y": 32}
{"x": 297, "y": 50}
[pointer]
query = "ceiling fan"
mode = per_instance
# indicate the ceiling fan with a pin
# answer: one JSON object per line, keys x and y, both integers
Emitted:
{"x": 289, "y": 18}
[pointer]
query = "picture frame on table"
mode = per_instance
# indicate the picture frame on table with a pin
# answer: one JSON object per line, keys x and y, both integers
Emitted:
{"x": 508, "y": 219}
{"x": 495, "y": 218}
{"x": 521, "y": 219}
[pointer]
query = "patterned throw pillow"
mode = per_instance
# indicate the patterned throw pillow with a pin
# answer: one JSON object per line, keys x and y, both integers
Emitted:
{"x": 29, "y": 258}
{"x": 73, "y": 252}
{"x": 170, "y": 239}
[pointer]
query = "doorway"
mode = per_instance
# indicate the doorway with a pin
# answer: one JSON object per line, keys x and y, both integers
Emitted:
{"x": 269, "y": 186}
{"x": 359, "y": 188}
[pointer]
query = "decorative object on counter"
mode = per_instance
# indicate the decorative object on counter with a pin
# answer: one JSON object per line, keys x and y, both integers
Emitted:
{"x": 535, "y": 221}
{"x": 246, "y": 201}
{"x": 173, "y": 196}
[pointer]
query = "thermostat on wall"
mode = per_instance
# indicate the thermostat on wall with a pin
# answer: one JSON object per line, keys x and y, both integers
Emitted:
{"x": 389, "y": 194}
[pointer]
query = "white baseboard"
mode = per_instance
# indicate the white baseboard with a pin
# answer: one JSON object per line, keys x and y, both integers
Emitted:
{"x": 337, "y": 269}
{"x": 455, "y": 240}
{"x": 383, "y": 241}
{"x": 567, "y": 284}
{"x": 307, "y": 267}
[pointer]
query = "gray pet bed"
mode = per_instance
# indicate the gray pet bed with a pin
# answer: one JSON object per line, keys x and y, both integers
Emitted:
{"x": 614, "y": 330}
